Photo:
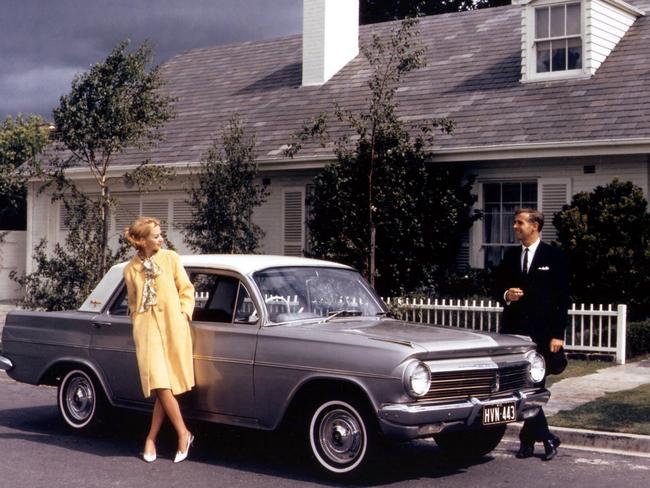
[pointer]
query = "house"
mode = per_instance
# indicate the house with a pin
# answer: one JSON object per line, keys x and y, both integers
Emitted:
{"x": 549, "y": 97}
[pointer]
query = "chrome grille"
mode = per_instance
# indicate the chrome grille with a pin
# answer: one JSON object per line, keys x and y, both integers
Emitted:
{"x": 460, "y": 385}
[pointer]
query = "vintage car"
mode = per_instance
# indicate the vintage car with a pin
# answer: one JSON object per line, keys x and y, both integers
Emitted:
{"x": 290, "y": 341}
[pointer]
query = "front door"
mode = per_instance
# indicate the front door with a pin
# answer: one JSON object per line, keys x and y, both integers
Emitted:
{"x": 224, "y": 335}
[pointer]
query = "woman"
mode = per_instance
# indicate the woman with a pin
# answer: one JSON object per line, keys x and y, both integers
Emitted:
{"x": 161, "y": 301}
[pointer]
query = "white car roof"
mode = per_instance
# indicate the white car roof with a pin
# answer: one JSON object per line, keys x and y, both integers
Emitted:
{"x": 245, "y": 264}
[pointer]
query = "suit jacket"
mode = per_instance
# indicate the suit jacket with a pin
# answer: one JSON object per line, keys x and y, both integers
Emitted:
{"x": 542, "y": 312}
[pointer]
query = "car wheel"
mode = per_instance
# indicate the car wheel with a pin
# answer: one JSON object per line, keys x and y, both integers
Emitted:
{"x": 470, "y": 444}
{"x": 80, "y": 400}
{"x": 342, "y": 435}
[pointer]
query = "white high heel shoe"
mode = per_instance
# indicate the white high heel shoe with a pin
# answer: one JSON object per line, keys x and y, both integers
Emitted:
{"x": 181, "y": 456}
{"x": 149, "y": 458}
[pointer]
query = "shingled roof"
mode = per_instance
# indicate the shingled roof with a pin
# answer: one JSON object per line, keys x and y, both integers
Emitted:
{"x": 472, "y": 76}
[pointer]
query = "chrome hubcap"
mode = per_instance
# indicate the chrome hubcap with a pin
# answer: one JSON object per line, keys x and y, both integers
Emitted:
{"x": 340, "y": 436}
{"x": 80, "y": 399}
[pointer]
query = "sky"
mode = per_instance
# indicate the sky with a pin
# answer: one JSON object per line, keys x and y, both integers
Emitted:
{"x": 44, "y": 43}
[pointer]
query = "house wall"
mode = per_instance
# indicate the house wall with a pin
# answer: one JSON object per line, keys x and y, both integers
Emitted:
{"x": 571, "y": 172}
{"x": 284, "y": 214}
{"x": 13, "y": 251}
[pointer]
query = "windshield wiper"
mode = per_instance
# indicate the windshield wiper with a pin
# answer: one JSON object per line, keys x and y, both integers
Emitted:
{"x": 343, "y": 313}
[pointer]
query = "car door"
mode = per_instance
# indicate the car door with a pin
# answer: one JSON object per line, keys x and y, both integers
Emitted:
{"x": 113, "y": 350}
{"x": 224, "y": 335}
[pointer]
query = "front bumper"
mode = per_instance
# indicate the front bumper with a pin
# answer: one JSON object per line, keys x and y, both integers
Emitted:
{"x": 411, "y": 421}
{"x": 5, "y": 363}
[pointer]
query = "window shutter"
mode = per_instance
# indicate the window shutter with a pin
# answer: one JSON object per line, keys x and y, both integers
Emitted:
{"x": 158, "y": 209}
{"x": 182, "y": 213}
{"x": 63, "y": 218}
{"x": 554, "y": 193}
{"x": 126, "y": 211}
{"x": 294, "y": 218}
{"x": 462, "y": 258}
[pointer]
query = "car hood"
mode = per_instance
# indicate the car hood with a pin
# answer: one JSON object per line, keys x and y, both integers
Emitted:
{"x": 435, "y": 340}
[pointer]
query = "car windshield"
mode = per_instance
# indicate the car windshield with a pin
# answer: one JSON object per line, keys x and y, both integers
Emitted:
{"x": 302, "y": 293}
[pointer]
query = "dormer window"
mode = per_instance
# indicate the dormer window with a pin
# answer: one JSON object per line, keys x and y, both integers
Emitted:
{"x": 563, "y": 39}
{"x": 558, "y": 38}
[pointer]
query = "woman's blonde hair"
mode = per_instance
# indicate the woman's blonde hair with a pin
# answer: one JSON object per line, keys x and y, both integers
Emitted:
{"x": 140, "y": 230}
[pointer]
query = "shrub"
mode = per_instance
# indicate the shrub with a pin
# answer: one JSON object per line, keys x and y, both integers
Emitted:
{"x": 606, "y": 235}
{"x": 638, "y": 338}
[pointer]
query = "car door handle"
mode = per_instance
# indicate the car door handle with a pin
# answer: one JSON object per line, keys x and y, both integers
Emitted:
{"x": 97, "y": 325}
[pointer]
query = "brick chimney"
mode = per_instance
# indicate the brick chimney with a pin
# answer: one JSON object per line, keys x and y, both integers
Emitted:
{"x": 330, "y": 38}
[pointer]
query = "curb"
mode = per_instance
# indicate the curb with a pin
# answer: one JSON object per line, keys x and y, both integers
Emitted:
{"x": 614, "y": 441}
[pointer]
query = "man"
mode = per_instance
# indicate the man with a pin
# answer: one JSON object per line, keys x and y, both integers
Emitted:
{"x": 533, "y": 285}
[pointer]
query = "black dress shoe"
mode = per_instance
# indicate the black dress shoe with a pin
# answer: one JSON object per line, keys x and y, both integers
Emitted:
{"x": 525, "y": 451}
{"x": 550, "y": 448}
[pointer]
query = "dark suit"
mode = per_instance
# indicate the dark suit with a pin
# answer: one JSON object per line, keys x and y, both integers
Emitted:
{"x": 541, "y": 313}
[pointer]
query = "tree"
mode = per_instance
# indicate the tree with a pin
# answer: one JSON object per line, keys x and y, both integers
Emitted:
{"x": 115, "y": 105}
{"x": 606, "y": 235}
{"x": 21, "y": 140}
{"x": 226, "y": 196}
{"x": 382, "y": 207}
{"x": 372, "y": 11}
{"x": 65, "y": 278}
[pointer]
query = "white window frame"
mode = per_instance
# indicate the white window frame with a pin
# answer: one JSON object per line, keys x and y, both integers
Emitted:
{"x": 531, "y": 43}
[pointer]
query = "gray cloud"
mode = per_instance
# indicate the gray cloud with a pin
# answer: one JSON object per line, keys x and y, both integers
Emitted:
{"x": 44, "y": 43}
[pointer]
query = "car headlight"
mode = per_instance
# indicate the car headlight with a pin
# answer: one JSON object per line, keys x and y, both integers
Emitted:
{"x": 537, "y": 366}
{"x": 417, "y": 379}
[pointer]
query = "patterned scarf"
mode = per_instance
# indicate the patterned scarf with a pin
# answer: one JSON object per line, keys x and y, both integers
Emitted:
{"x": 149, "y": 297}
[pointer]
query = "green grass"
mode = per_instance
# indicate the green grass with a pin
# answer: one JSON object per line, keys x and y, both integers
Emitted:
{"x": 625, "y": 411}
{"x": 578, "y": 367}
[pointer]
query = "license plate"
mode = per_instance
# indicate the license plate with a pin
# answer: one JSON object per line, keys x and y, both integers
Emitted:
{"x": 500, "y": 413}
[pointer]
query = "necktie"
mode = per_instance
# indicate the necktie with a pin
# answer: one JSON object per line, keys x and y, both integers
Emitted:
{"x": 525, "y": 268}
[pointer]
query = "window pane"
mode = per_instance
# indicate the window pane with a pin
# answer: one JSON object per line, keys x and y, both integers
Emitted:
{"x": 559, "y": 55}
{"x": 529, "y": 194}
{"x": 507, "y": 232}
{"x": 541, "y": 23}
{"x": 215, "y": 297}
{"x": 491, "y": 228}
{"x": 573, "y": 19}
{"x": 493, "y": 256}
{"x": 492, "y": 193}
{"x": 245, "y": 307}
{"x": 557, "y": 21}
{"x": 512, "y": 192}
{"x": 574, "y": 53}
{"x": 543, "y": 57}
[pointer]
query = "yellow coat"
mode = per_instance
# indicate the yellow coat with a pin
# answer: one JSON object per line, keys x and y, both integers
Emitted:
{"x": 163, "y": 342}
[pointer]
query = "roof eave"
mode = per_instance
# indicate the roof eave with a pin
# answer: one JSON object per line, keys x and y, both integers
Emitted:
{"x": 544, "y": 150}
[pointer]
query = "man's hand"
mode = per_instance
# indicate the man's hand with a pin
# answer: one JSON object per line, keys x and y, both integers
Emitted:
{"x": 555, "y": 345}
{"x": 514, "y": 294}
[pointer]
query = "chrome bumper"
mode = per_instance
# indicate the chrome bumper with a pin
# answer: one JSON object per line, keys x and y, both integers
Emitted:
{"x": 5, "y": 363}
{"x": 410, "y": 421}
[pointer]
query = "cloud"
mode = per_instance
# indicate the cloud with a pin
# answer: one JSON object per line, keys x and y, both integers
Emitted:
{"x": 44, "y": 43}
{"x": 35, "y": 90}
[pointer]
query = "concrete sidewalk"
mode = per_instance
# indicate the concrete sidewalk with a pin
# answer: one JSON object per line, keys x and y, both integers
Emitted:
{"x": 570, "y": 393}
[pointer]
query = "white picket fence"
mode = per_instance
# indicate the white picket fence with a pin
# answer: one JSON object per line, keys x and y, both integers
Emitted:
{"x": 592, "y": 328}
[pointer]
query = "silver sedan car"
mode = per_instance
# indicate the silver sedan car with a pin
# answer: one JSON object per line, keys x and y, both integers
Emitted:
{"x": 281, "y": 341}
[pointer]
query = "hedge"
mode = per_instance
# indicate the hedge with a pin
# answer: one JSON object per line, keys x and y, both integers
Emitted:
{"x": 638, "y": 338}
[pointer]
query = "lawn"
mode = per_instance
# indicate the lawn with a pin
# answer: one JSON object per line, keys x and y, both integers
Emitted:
{"x": 578, "y": 367}
{"x": 624, "y": 411}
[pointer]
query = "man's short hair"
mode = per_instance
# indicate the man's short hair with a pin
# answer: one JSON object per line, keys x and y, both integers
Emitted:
{"x": 534, "y": 216}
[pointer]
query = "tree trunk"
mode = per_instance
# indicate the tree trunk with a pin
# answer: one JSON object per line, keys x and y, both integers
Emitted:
{"x": 104, "y": 222}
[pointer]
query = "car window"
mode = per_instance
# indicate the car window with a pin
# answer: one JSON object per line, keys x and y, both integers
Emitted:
{"x": 221, "y": 298}
{"x": 120, "y": 306}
